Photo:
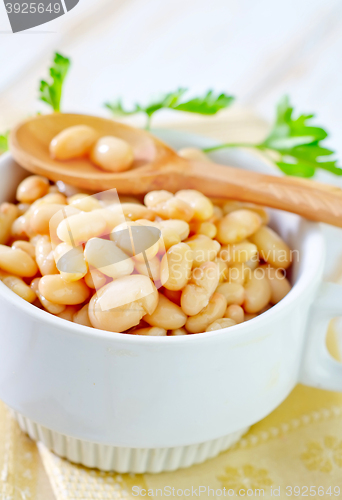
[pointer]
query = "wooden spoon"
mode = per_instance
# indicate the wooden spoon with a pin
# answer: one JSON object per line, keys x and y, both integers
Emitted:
{"x": 157, "y": 166}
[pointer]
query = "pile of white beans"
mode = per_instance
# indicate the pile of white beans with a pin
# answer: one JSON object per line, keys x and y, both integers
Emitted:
{"x": 222, "y": 265}
{"x": 108, "y": 152}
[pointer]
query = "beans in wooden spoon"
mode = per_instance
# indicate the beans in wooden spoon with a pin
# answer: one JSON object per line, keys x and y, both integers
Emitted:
{"x": 157, "y": 166}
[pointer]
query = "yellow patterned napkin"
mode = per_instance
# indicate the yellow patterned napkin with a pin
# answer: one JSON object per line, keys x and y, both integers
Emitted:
{"x": 297, "y": 447}
{"x": 22, "y": 475}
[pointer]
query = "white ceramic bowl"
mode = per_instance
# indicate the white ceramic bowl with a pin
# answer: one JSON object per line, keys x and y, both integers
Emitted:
{"x": 137, "y": 404}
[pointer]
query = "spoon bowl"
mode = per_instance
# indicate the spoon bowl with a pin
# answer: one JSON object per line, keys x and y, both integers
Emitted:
{"x": 157, "y": 166}
{"x": 30, "y": 140}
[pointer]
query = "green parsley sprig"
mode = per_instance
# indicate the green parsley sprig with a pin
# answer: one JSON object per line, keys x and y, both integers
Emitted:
{"x": 4, "y": 143}
{"x": 51, "y": 93}
{"x": 296, "y": 143}
{"x": 208, "y": 104}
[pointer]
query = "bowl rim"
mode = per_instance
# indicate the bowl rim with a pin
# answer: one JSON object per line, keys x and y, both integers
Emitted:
{"x": 310, "y": 230}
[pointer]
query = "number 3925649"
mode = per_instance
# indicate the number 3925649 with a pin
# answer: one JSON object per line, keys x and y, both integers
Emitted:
{"x": 32, "y": 8}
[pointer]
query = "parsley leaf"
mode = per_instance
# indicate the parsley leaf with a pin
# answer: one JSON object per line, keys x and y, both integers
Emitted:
{"x": 209, "y": 104}
{"x": 3, "y": 143}
{"x": 297, "y": 144}
{"x": 168, "y": 101}
{"x": 51, "y": 93}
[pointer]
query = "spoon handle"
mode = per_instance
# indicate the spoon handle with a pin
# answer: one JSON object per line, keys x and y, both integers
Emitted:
{"x": 313, "y": 200}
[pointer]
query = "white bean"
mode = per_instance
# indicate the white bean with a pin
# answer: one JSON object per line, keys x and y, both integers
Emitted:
{"x": 81, "y": 317}
{"x": 203, "y": 282}
{"x": 40, "y": 218}
{"x": 49, "y": 306}
{"x": 18, "y": 286}
{"x": 219, "y": 324}
{"x": 152, "y": 332}
{"x": 107, "y": 257}
{"x": 202, "y": 206}
{"x": 112, "y": 154}
{"x": 25, "y": 246}
{"x": 237, "y": 226}
{"x": 81, "y": 227}
{"x": 204, "y": 249}
{"x": 17, "y": 262}
{"x": 233, "y": 292}
{"x": 56, "y": 290}
{"x": 44, "y": 256}
{"x": 84, "y": 202}
{"x": 167, "y": 315}
{"x": 214, "y": 310}
{"x": 257, "y": 292}
{"x": 178, "y": 331}
{"x": 235, "y": 313}
{"x": 32, "y": 188}
{"x": 72, "y": 142}
{"x": 8, "y": 214}
{"x": 70, "y": 262}
{"x": 272, "y": 248}
{"x": 121, "y": 304}
{"x": 280, "y": 285}
{"x": 176, "y": 266}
